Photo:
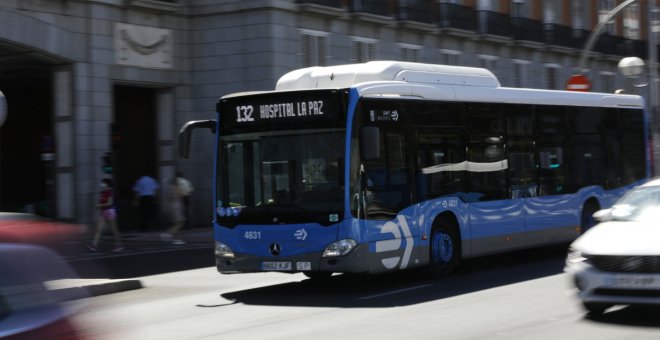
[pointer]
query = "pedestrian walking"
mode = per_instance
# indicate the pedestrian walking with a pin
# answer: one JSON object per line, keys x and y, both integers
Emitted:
{"x": 144, "y": 198}
{"x": 178, "y": 192}
{"x": 107, "y": 216}
{"x": 186, "y": 191}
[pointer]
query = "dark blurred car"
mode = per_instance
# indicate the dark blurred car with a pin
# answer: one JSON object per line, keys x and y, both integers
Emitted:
{"x": 30, "y": 228}
{"x": 29, "y": 309}
{"x": 617, "y": 262}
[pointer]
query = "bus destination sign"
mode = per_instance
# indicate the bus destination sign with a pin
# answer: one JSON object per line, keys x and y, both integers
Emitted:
{"x": 279, "y": 109}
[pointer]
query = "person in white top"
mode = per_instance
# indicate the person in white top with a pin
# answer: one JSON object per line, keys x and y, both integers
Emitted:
{"x": 179, "y": 190}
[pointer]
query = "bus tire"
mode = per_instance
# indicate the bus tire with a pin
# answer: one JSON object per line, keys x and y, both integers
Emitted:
{"x": 444, "y": 248}
{"x": 587, "y": 219}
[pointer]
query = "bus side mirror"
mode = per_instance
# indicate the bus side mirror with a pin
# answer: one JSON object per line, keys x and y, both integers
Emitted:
{"x": 185, "y": 134}
{"x": 370, "y": 142}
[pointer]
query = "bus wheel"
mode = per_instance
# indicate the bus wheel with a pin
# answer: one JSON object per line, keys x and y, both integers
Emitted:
{"x": 587, "y": 219}
{"x": 444, "y": 249}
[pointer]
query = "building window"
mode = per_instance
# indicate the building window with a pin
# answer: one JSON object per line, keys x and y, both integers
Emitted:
{"x": 488, "y": 62}
{"x": 631, "y": 22}
{"x": 606, "y": 82}
{"x": 487, "y": 5}
{"x": 313, "y": 48}
{"x": 363, "y": 50}
{"x": 450, "y": 57}
{"x": 519, "y": 73}
{"x": 409, "y": 52}
{"x": 578, "y": 14}
{"x": 519, "y": 9}
{"x": 551, "y": 12}
{"x": 551, "y": 76}
{"x": 604, "y": 7}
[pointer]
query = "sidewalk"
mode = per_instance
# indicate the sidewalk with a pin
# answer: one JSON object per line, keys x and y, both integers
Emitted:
{"x": 136, "y": 244}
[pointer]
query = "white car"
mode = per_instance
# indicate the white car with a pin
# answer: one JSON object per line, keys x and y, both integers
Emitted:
{"x": 30, "y": 306}
{"x": 617, "y": 262}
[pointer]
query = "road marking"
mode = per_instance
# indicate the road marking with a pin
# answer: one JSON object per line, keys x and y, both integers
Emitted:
{"x": 395, "y": 292}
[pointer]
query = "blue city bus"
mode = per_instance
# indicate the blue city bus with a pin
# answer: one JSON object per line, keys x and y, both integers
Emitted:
{"x": 385, "y": 166}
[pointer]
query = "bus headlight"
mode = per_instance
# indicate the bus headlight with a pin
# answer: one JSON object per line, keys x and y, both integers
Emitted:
{"x": 223, "y": 250}
{"x": 339, "y": 248}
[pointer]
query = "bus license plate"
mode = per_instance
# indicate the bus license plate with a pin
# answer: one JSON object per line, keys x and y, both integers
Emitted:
{"x": 276, "y": 266}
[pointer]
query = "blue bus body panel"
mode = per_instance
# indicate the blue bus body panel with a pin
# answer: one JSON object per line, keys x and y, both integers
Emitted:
{"x": 402, "y": 242}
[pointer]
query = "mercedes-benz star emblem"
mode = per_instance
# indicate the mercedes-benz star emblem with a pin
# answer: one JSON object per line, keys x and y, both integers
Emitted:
{"x": 275, "y": 249}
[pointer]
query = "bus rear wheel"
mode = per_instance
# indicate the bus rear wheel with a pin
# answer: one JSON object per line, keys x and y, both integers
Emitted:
{"x": 587, "y": 219}
{"x": 444, "y": 249}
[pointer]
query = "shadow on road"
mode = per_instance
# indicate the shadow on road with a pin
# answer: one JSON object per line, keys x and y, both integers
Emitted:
{"x": 407, "y": 288}
{"x": 633, "y": 316}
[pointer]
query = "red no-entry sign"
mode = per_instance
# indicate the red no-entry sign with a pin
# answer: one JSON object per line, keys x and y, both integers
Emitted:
{"x": 578, "y": 82}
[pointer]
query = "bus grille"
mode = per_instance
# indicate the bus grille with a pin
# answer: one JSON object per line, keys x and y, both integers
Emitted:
{"x": 626, "y": 264}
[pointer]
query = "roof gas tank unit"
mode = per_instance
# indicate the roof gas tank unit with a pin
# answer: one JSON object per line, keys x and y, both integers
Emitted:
{"x": 342, "y": 76}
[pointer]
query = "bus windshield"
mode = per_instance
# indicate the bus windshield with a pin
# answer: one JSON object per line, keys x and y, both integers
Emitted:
{"x": 290, "y": 176}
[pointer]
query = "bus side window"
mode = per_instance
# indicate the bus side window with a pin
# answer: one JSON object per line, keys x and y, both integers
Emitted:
{"x": 440, "y": 162}
{"x": 387, "y": 178}
{"x": 551, "y": 169}
{"x": 486, "y": 159}
{"x": 552, "y": 137}
{"x": 520, "y": 150}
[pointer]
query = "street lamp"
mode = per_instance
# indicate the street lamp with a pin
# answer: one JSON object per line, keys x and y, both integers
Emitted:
{"x": 631, "y": 66}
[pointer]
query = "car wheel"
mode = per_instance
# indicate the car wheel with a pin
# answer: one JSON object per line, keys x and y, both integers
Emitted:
{"x": 444, "y": 249}
{"x": 595, "y": 308}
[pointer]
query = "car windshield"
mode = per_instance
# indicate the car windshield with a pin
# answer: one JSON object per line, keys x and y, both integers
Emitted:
{"x": 640, "y": 204}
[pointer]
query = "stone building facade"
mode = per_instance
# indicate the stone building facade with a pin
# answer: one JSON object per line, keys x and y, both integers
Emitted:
{"x": 94, "y": 84}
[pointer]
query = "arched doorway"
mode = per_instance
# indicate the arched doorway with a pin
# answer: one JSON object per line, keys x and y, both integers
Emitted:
{"x": 26, "y": 138}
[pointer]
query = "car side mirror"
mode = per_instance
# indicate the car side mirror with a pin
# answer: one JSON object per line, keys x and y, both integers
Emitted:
{"x": 603, "y": 215}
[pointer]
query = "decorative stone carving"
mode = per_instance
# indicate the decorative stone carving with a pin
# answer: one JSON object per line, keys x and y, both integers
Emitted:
{"x": 143, "y": 46}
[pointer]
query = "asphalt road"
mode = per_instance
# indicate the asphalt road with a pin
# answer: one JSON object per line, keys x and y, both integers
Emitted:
{"x": 516, "y": 296}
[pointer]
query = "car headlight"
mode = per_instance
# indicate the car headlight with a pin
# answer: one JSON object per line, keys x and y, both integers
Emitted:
{"x": 575, "y": 256}
{"x": 223, "y": 250}
{"x": 339, "y": 248}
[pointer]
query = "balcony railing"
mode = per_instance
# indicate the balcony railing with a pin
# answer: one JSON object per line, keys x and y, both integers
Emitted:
{"x": 457, "y": 16}
{"x": 328, "y": 3}
{"x": 466, "y": 18}
{"x": 416, "y": 10}
{"x": 494, "y": 23}
{"x": 377, "y": 7}
{"x": 527, "y": 29}
{"x": 560, "y": 35}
